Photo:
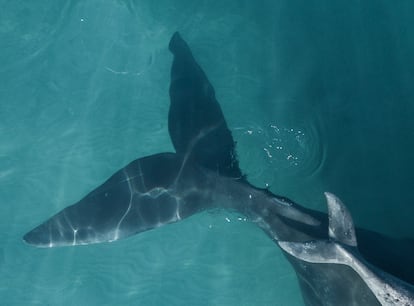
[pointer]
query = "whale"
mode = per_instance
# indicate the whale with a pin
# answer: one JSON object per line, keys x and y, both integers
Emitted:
{"x": 341, "y": 249}
{"x": 203, "y": 173}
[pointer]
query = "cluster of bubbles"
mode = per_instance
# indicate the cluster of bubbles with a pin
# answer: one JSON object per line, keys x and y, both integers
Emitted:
{"x": 293, "y": 150}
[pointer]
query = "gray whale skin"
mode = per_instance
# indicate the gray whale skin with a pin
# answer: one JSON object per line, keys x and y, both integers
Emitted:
{"x": 203, "y": 173}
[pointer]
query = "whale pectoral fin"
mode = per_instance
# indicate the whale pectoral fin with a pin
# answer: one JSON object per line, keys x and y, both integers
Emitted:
{"x": 136, "y": 198}
{"x": 341, "y": 232}
{"x": 196, "y": 122}
{"x": 341, "y": 226}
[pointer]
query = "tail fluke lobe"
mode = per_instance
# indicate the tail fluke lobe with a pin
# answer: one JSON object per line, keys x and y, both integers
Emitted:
{"x": 196, "y": 122}
{"x": 148, "y": 193}
{"x": 153, "y": 191}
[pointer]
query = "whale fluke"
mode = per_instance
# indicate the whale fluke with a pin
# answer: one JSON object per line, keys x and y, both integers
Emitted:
{"x": 204, "y": 173}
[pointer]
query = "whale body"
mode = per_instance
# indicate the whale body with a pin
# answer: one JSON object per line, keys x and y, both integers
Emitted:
{"x": 203, "y": 173}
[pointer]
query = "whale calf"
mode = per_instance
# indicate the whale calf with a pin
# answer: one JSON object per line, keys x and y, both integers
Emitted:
{"x": 203, "y": 173}
{"x": 341, "y": 249}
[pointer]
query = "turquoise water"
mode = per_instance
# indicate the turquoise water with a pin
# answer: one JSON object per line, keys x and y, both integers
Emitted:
{"x": 318, "y": 95}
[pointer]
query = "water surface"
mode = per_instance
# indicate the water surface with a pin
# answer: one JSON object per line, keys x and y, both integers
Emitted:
{"x": 318, "y": 95}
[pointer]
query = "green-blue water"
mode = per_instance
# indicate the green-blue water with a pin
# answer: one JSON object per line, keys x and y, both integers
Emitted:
{"x": 318, "y": 94}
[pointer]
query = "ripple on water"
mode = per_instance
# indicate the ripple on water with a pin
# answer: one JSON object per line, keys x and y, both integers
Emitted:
{"x": 293, "y": 150}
